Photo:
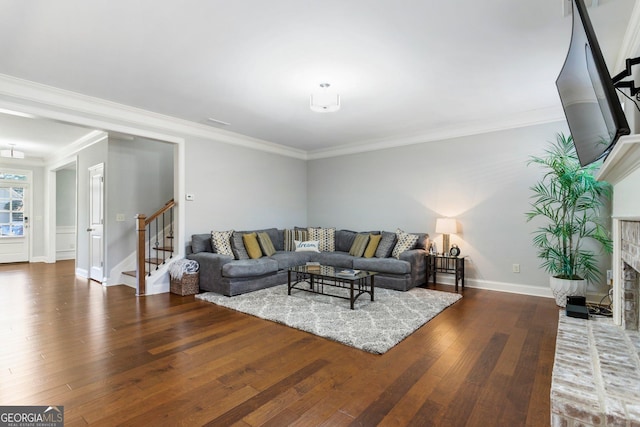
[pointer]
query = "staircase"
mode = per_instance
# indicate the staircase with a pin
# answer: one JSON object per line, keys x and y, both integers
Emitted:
{"x": 154, "y": 244}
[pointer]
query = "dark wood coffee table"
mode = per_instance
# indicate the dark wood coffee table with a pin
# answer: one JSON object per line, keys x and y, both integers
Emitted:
{"x": 314, "y": 279}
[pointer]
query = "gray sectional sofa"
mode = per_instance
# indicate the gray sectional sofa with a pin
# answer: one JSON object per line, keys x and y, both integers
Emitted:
{"x": 228, "y": 275}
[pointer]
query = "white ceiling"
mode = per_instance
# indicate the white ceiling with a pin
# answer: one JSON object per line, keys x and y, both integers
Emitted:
{"x": 403, "y": 68}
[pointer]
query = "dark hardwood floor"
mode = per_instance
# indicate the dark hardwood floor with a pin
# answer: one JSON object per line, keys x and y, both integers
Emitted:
{"x": 111, "y": 358}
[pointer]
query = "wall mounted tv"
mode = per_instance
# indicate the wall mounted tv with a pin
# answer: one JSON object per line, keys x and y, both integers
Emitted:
{"x": 588, "y": 96}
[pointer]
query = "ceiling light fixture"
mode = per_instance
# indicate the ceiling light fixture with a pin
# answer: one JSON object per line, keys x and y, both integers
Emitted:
{"x": 11, "y": 153}
{"x": 324, "y": 100}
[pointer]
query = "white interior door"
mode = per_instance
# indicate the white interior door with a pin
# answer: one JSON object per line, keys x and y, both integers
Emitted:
{"x": 14, "y": 222}
{"x": 96, "y": 222}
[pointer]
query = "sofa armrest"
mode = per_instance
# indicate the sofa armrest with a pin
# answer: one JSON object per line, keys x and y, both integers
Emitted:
{"x": 210, "y": 268}
{"x": 417, "y": 258}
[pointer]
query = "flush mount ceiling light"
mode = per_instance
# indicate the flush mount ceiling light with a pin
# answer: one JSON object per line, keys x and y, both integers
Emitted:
{"x": 11, "y": 153}
{"x": 324, "y": 100}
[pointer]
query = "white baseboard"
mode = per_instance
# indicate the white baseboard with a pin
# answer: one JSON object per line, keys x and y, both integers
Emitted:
{"x": 65, "y": 255}
{"x": 513, "y": 288}
{"x": 84, "y": 273}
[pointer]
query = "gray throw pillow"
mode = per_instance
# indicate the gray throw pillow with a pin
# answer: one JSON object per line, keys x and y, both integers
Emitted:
{"x": 237, "y": 245}
{"x": 387, "y": 243}
{"x": 201, "y": 243}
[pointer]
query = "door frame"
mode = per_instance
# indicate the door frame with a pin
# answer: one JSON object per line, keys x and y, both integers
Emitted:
{"x": 51, "y": 201}
{"x": 27, "y": 214}
{"x": 103, "y": 227}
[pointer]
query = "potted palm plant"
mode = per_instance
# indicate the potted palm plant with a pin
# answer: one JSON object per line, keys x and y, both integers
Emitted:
{"x": 569, "y": 198}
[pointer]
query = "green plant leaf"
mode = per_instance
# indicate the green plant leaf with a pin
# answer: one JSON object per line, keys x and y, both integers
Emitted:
{"x": 569, "y": 199}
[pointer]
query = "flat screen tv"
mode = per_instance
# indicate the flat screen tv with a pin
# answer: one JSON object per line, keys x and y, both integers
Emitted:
{"x": 594, "y": 114}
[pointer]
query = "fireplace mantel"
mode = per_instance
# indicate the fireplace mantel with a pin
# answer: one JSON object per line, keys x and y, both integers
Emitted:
{"x": 622, "y": 161}
{"x": 622, "y": 170}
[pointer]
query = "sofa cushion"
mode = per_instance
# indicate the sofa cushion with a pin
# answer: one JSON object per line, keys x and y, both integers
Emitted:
{"x": 288, "y": 259}
{"x": 201, "y": 243}
{"x": 249, "y": 267}
{"x": 344, "y": 240}
{"x": 266, "y": 244}
{"x": 251, "y": 245}
{"x": 237, "y": 245}
{"x": 387, "y": 243}
{"x": 405, "y": 242}
{"x": 335, "y": 259}
{"x": 326, "y": 237}
{"x": 383, "y": 265}
{"x": 359, "y": 245}
{"x": 374, "y": 241}
{"x": 221, "y": 242}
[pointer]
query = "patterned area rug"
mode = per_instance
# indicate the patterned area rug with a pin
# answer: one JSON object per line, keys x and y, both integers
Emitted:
{"x": 373, "y": 326}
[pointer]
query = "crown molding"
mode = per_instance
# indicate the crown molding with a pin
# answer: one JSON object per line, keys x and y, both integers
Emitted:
{"x": 72, "y": 107}
{"x": 59, "y": 104}
{"x": 92, "y": 137}
{"x": 529, "y": 118}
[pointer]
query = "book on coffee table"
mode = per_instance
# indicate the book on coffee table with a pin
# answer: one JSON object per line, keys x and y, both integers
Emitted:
{"x": 313, "y": 266}
{"x": 348, "y": 272}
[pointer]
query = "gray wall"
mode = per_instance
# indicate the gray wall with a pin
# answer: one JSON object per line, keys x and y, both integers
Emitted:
{"x": 90, "y": 156}
{"x": 482, "y": 180}
{"x": 240, "y": 188}
{"x": 139, "y": 176}
{"x": 66, "y": 197}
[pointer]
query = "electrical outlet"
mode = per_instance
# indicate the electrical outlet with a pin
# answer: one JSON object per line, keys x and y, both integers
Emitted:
{"x": 516, "y": 268}
{"x": 609, "y": 275}
{"x": 189, "y": 196}
{"x": 120, "y": 217}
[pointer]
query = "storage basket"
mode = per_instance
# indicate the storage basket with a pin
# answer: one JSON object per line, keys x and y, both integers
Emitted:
{"x": 187, "y": 285}
{"x": 185, "y": 278}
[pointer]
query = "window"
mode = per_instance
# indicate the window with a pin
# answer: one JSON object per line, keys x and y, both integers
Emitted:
{"x": 5, "y": 176}
{"x": 11, "y": 211}
{"x": 12, "y": 203}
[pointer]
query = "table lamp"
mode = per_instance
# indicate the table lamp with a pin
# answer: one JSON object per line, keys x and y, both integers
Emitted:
{"x": 446, "y": 226}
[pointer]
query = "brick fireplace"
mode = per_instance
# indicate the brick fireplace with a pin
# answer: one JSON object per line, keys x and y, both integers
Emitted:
{"x": 630, "y": 269}
{"x": 596, "y": 372}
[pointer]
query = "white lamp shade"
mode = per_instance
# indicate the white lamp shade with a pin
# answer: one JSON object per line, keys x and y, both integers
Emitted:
{"x": 446, "y": 226}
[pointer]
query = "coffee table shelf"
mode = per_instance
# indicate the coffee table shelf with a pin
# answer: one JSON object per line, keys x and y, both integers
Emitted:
{"x": 322, "y": 279}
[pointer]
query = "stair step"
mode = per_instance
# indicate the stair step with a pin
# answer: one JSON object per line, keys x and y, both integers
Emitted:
{"x": 156, "y": 261}
{"x": 129, "y": 273}
{"x": 164, "y": 248}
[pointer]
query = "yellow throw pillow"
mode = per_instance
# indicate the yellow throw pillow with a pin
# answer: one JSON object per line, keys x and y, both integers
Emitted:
{"x": 374, "y": 241}
{"x": 251, "y": 245}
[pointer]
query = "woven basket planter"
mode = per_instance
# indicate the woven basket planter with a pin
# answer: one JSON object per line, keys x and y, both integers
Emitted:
{"x": 187, "y": 285}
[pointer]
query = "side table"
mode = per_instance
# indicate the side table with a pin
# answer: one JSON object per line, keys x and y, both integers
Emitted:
{"x": 445, "y": 264}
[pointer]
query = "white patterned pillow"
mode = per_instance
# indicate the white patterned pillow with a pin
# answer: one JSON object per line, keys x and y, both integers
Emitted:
{"x": 405, "y": 242}
{"x": 221, "y": 242}
{"x": 326, "y": 237}
{"x": 308, "y": 246}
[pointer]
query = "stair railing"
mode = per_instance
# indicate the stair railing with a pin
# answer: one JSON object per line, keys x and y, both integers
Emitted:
{"x": 154, "y": 233}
